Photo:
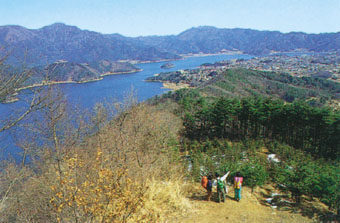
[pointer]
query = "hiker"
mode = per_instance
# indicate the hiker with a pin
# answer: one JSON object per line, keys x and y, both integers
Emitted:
{"x": 238, "y": 180}
{"x": 221, "y": 186}
{"x": 209, "y": 187}
{"x": 206, "y": 183}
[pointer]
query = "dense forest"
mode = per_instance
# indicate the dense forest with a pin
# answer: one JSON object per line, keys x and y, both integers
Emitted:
{"x": 232, "y": 134}
{"x": 312, "y": 129}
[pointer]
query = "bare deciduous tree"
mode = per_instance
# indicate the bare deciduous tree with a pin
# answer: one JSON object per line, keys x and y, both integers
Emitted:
{"x": 12, "y": 80}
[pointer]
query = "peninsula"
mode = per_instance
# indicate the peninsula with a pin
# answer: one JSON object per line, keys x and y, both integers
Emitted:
{"x": 69, "y": 72}
{"x": 64, "y": 72}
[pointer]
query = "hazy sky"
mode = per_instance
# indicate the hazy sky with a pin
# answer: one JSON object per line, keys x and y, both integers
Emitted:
{"x": 160, "y": 17}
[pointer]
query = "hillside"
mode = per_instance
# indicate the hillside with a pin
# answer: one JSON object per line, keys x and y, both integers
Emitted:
{"x": 142, "y": 162}
{"x": 64, "y": 71}
{"x": 241, "y": 134}
{"x": 242, "y": 82}
{"x": 109, "y": 67}
{"x": 238, "y": 82}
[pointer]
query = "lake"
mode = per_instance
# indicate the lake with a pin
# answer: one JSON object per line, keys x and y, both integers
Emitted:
{"x": 117, "y": 86}
{"x": 86, "y": 95}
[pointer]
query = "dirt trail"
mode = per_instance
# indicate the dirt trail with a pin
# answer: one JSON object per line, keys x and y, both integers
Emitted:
{"x": 249, "y": 209}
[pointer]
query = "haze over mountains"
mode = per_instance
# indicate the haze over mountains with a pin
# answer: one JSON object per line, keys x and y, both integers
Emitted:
{"x": 63, "y": 42}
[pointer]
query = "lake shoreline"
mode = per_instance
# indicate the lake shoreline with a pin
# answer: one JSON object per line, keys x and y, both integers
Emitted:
{"x": 170, "y": 85}
{"x": 122, "y": 72}
{"x": 184, "y": 56}
{"x": 112, "y": 88}
{"x": 211, "y": 54}
{"x": 49, "y": 83}
{"x": 77, "y": 82}
{"x": 167, "y": 86}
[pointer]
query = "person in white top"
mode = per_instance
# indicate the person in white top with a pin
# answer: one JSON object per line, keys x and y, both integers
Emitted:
{"x": 221, "y": 186}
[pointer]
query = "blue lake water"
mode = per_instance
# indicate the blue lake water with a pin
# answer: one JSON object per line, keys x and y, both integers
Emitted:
{"x": 85, "y": 96}
{"x": 117, "y": 86}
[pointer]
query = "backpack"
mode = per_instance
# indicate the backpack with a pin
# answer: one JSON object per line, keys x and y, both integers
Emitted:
{"x": 220, "y": 185}
{"x": 204, "y": 182}
{"x": 209, "y": 184}
{"x": 237, "y": 183}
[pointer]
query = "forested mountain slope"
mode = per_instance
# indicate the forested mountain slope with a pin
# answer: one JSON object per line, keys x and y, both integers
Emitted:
{"x": 241, "y": 133}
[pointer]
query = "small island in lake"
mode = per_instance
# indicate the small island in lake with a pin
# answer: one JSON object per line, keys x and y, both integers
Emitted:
{"x": 167, "y": 66}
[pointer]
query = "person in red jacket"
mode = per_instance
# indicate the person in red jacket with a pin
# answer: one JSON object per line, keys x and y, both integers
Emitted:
{"x": 238, "y": 180}
{"x": 206, "y": 183}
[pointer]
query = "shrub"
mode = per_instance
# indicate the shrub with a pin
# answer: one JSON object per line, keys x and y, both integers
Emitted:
{"x": 254, "y": 172}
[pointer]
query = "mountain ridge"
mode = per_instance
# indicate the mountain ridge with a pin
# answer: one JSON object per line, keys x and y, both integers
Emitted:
{"x": 212, "y": 39}
{"x": 63, "y": 42}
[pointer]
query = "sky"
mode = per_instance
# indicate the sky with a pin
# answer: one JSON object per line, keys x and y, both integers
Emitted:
{"x": 165, "y": 17}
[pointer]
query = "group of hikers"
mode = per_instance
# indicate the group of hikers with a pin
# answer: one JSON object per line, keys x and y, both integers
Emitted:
{"x": 208, "y": 182}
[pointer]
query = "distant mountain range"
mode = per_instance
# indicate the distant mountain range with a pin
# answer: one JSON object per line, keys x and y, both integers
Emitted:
{"x": 208, "y": 39}
{"x": 63, "y": 42}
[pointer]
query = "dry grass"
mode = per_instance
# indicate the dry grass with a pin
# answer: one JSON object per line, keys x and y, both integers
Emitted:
{"x": 253, "y": 207}
{"x": 166, "y": 198}
{"x": 126, "y": 171}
